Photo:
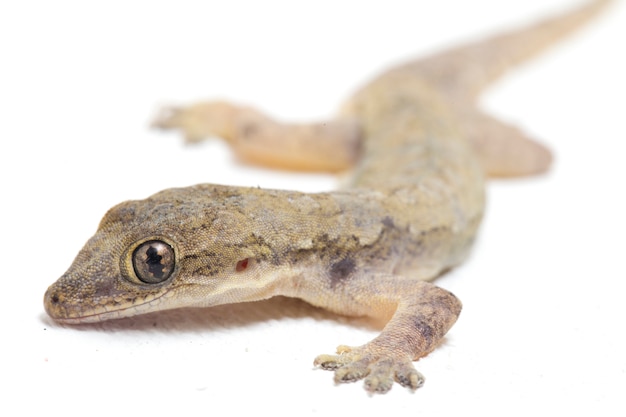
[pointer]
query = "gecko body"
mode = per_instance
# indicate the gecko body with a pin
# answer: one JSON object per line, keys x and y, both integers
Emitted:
{"x": 419, "y": 152}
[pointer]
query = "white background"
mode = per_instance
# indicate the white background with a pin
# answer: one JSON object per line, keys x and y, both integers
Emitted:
{"x": 542, "y": 331}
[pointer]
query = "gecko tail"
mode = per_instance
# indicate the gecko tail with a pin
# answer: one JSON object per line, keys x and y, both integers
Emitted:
{"x": 465, "y": 71}
{"x": 462, "y": 73}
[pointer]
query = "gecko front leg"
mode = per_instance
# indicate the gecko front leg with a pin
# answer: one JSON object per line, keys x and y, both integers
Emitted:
{"x": 329, "y": 146}
{"x": 422, "y": 314}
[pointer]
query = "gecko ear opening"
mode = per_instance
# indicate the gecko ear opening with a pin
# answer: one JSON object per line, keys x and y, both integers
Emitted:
{"x": 243, "y": 264}
{"x": 153, "y": 261}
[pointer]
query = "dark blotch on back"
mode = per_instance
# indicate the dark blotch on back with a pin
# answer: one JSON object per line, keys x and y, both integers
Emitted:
{"x": 388, "y": 222}
{"x": 341, "y": 270}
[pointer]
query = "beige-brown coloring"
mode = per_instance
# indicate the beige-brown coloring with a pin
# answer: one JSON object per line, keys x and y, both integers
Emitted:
{"x": 417, "y": 150}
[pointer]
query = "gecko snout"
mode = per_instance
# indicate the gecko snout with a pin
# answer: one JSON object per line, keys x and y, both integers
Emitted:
{"x": 52, "y": 302}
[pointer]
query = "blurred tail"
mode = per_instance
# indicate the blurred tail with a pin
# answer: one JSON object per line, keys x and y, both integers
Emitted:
{"x": 464, "y": 71}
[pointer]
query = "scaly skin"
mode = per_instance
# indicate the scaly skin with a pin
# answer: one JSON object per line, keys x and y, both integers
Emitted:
{"x": 410, "y": 211}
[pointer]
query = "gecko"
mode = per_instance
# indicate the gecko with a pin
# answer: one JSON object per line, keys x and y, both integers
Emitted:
{"x": 417, "y": 151}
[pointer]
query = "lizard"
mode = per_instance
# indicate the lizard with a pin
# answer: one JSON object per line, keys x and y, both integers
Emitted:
{"x": 418, "y": 152}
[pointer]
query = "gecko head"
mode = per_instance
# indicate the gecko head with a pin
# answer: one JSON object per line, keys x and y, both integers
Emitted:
{"x": 181, "y": 247}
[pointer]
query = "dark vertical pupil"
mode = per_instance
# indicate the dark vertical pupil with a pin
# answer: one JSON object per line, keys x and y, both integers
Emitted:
{"x": 154, "y": 262}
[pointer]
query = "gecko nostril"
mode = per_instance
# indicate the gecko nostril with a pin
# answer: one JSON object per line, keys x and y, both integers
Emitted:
{"x": 52, "y": 297}
{"x": 52, "y": 302}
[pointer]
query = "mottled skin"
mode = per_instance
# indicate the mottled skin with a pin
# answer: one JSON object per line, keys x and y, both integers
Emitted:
{"x": 410, "y": 211}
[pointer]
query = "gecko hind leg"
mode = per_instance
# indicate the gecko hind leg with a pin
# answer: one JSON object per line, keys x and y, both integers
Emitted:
{"x": 504, "y": 150}
{"x": 255, "y": 138}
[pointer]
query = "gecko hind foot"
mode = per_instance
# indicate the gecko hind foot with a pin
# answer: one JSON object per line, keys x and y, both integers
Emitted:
{"x": 378, "y": 371}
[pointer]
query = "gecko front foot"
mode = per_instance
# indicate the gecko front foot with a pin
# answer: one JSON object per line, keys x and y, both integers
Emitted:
{"x": 378, "y": 369}
{"x": 330, "y": 146}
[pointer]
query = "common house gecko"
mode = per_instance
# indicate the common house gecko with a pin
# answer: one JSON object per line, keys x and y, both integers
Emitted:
{"x": 418, "y": 152}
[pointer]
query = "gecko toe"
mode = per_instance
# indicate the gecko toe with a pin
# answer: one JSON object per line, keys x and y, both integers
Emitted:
{"x": 330, "y": 362}
{"x": 380, "y": 378}
{"x": 408, "y": 376}
{"x": 352, "y": 372}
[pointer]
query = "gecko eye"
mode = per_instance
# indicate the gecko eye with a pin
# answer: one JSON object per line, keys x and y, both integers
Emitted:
{"x": 153, "y": 261}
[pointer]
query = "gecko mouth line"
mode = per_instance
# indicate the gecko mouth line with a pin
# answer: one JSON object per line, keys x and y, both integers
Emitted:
{"x": 53, "y": 307}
